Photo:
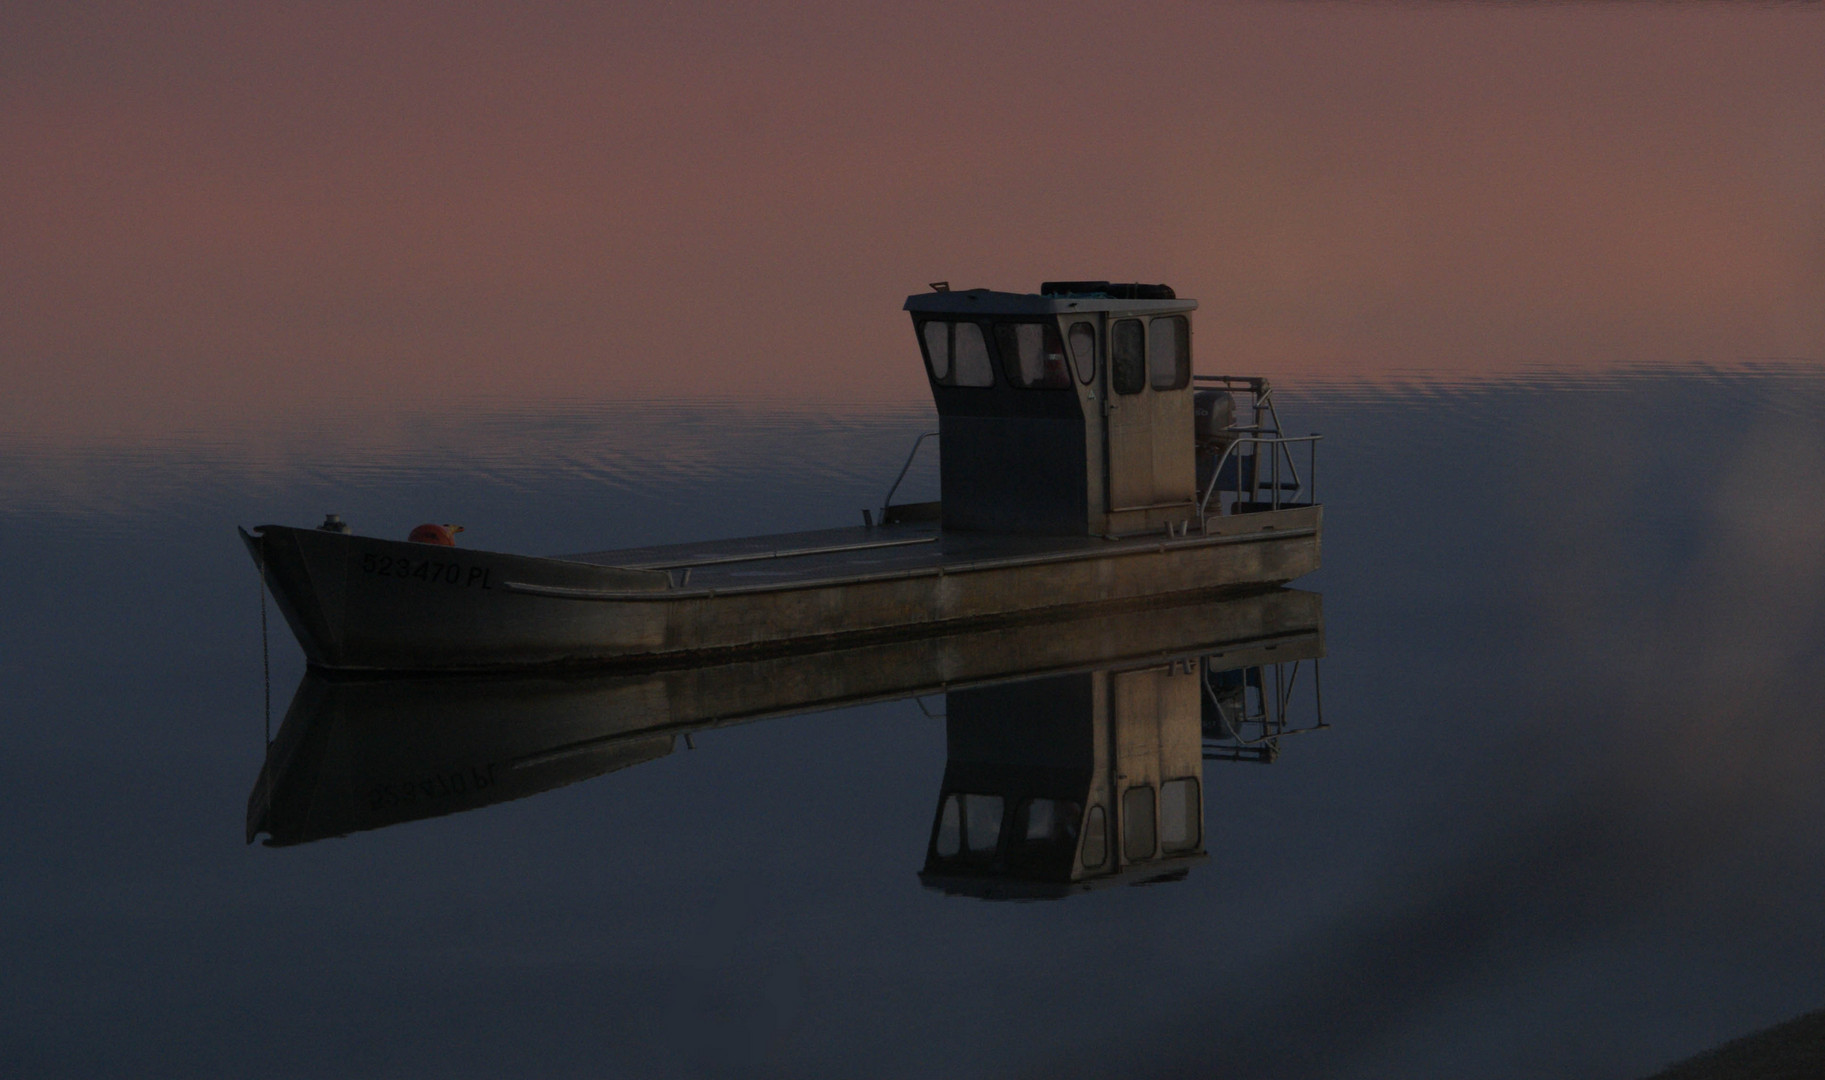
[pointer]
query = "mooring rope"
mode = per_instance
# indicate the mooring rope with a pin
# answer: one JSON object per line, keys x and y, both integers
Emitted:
{"x": 265, "y": 653}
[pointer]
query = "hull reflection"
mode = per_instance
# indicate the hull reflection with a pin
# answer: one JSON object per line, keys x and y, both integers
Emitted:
{"x": 355, "y": 754}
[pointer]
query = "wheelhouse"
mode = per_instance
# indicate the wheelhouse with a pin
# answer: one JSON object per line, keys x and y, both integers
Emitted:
{"x": 1070, "y": 782}
{"x": 1068, "y": 412}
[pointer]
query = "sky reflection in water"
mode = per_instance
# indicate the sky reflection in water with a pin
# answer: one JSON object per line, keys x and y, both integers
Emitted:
{"x": 1564, "y": 819}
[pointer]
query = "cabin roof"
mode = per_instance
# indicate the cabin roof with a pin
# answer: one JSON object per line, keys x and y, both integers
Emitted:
{"x": 990, "y": 302}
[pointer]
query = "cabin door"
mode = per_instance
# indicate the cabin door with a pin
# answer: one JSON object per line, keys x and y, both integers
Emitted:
{"x": 1156, "y": 738}
{"x": 1134, "y": 722}
{"x": 1127, "y": 419}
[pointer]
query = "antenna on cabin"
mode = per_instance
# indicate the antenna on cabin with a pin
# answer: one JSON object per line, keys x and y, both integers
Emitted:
{"x": 941, "y": 286}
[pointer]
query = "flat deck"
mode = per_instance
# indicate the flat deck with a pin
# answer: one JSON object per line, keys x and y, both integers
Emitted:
{"x": 861, "y": 551}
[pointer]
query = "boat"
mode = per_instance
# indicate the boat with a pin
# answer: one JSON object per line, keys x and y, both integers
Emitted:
{"x": 1075, "y": 745}
{"x": 1081, "y": 465}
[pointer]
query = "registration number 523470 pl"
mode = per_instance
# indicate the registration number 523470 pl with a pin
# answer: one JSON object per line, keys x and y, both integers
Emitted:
{"x": 427, "y": 570}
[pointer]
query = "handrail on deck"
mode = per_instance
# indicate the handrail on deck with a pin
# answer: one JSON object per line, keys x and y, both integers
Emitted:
{"x": 913, "y": 453}
{"x": 1253, "y": 383}
{"x": 1308, "y": 486}
{"x": 1260, "y": 388}
{"x": 1273, "y": 720}
{"x": 1264, "y": 435}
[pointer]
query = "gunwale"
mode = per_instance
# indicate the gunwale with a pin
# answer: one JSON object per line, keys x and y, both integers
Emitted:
{"x": 621, "y": 608}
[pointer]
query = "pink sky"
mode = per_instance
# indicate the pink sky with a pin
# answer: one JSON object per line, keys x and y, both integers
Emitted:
{"x": 222, "y": 212}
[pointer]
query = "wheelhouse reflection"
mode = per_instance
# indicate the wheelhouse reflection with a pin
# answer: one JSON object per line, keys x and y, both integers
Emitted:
{"x": 1057, "y": 785}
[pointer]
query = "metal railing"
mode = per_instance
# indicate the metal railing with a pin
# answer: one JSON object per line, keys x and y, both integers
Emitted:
{"x": 1245, "y": 733}
{"x": 911, "y": 454}
{"x": 1261, "y": 395}
{"x": 1263, "y": 438}
{"x": 1277, "y": 448}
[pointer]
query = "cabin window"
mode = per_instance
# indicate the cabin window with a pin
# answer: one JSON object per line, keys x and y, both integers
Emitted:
{"x": 950, "y": 827}
{"x": 1181, "y": 819}
{"x": 938, "y": 349}
{"x": 1137, "y": 823}
{"x": 1096, "y": 839}
{"x": 1047, "y": 823}
{"x": 981, "y": 822}
{"x": 1083, "y": 350}
{"x": 1169, "y": 353}
{"x": 971, "y": 353}
{"x": 969, "y": 825}
{"x": 1033, "y": 356}
{"x": 1127, "y": 362}
{"x": 957, "y": 353}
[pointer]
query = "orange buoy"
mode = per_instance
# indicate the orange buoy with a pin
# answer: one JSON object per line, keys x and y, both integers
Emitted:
{"x": 435, "y": 534}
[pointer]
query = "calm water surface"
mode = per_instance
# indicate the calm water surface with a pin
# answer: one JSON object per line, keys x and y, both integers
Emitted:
{"x": 1564, "y": 821}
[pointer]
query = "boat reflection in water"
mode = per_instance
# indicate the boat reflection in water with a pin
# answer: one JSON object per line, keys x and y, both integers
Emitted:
{"x": 1076, "y": 745}
{"x": 1092, "y": 778}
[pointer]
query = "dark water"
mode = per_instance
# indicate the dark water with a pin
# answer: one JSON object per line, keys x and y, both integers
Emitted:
{"x": 1565, "y": 819}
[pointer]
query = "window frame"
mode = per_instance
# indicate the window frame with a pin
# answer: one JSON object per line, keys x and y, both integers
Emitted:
{"x": 1084, "y": 377}
{"x": 931, "y": 369}
{"x": 1194, "y": 819}
{"x": 950, "y": 338}
{"x": 1066, "y": 822}
{"x": 1181, "y": 361}
{"x": 996, "y": 822}
{"x": 1097, "y": 817}
{"x": 966, "y": 850}
{"x": 1008, "y": 345}
{"x": 1116, "y": 369}
{"x": 1128, "y": 819}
